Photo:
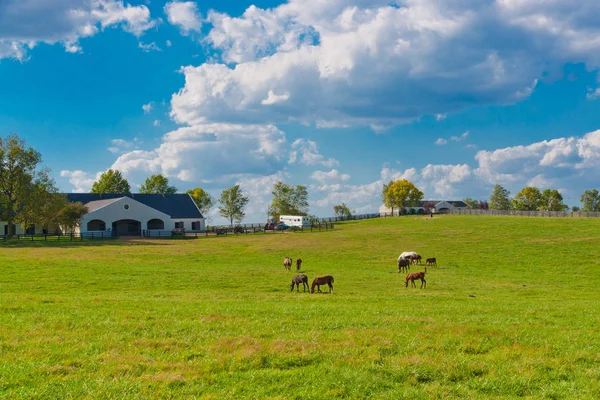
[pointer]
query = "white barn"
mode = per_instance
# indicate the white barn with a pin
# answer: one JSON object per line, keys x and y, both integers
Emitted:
{"x": 131, "y": 215}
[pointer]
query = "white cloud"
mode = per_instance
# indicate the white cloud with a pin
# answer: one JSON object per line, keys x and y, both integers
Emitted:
{"x": 203, "y": 152}
{"x": 305, "y": 152}
{"x": 440, "y": 117}
{"x": 272, "y": 98}
{"x": 185, "y": 15}
{"x": 460, "y": 138}
{"x": 148, "y": 47}
{"x": 81, "y": 181}
{"x": 361, "y": 62}
{"x": 148, "y": 107}
{"x": 25, "y": 24}
{"x": 121, "y": 145}
{"x": 156, "y": 122}
{"x": 441, "y": 142}
{"x": 329, "y": 177}
{"x": 168, "y": 43}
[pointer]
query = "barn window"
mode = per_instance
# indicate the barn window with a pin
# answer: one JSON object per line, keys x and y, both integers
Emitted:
{"x": 96, "y": 225}
{"x": 179, "y": 225}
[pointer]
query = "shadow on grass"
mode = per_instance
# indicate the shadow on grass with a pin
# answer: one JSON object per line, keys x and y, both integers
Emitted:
{"x": 88, "y": 242}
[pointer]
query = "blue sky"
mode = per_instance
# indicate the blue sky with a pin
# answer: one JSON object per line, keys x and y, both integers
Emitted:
{"x": 340, "y": 96}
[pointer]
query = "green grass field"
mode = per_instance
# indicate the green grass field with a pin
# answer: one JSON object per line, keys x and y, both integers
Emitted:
{"x": 511, "y": 311}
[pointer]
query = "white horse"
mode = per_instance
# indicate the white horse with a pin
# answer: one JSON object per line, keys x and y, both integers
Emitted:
{"x": 407, "y": 255}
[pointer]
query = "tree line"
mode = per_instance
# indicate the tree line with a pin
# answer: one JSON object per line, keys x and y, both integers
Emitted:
{"x": 28, "y": 194}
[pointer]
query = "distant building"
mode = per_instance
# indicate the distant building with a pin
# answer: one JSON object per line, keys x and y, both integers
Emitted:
{"x": 130, "y": 214}
{"x": 440, "y": 206}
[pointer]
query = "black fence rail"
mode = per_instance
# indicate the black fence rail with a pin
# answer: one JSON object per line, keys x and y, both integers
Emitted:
{"x": 245, "y": 229}
{"x": 547, "y": 214}
{"x": 58, "y": 236}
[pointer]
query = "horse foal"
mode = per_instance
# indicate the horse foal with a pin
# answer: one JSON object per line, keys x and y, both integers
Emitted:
{"x": 414, "y": 276}
{"x": 298, "y": 279}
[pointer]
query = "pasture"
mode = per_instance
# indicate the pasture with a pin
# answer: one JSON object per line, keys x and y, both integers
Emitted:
{"x": 511, "y": 311}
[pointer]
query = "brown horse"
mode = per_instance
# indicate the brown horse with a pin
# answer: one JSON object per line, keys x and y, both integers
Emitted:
{"x": 431, "y": 261}
{"x": 298, "y": 264}
{"x": 322, "y": 280}
{"x": 287, "y": 263}
{"x": 403, "y": 264}
{"x": 416, "y": 259}
{"x": 298, "y": 279}
{"x": 414, "y": 276}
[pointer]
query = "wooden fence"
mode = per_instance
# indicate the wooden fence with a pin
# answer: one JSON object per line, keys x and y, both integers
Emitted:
{"x": 59, "y": 237}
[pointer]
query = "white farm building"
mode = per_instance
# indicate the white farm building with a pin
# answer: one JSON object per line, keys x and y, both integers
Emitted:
{"x": 439, "y": 206}
{"x": 130, "y": 215}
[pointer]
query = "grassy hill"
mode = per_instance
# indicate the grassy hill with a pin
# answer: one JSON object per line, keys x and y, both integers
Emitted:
{"x": 511, "y": 311}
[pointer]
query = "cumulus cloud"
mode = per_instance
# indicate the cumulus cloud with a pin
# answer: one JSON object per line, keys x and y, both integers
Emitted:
{"x": 25, "y": 24}
{"x": 156, "y": 122}
{"x": 460, "y": 138}
{"x": 121, "y": 145}
{"x": 328, "y": 177}
{"x": 82, "y": 181}
{"x": 441, "y": 141}
{"x": 185, "y": 15}
{"x": 202, "y": 152}
{"x": 368, "y": 62}
{"x": 305, "y": 152}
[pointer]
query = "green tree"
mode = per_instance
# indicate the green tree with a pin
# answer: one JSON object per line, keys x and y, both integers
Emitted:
{"x": 575, "y": 209}
{"x": 43, "y": 204}
{"x": 157, "y": 184}
{"x": 288, "y": 200}
{"x": 499, "y": 200}
{"x": 232, "y": 204}
{"x": 111, "y": 181}
{"x": 387, "y": 198}
{"x": 20, "y": 179}
{"x": 590, "y": 199}
{"x": 474, "y": 204}
{"x": 203, "y": 200}
{"x": 528, "y": 199}
{"x": 342, "y": 210}
{"x": 552, "y": 200}
{"x": 70, "y": 216}
{"x": 403, "y": 193}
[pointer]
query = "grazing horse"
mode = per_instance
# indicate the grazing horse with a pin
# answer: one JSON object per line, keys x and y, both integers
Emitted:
{"x": 403, "y": 264}
{"x": 407, "y": 255}
{"x": 416, "y": 259}
{"x": 322, "y": 280}
{"x": 287, "y": 263}
{"x": 431, "y": 261}
{"x": 298, "y": 279}
{"x": 414, "y": 276}
{"x": 298, "y": 264}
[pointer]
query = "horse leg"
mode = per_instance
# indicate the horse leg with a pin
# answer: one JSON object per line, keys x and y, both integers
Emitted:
{"x": 330, "y": 287}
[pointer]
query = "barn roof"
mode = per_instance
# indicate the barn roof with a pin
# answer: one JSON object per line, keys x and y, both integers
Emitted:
{"x": 178, "y": 205}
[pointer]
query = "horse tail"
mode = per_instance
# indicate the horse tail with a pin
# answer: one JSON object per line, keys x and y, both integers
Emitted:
{"x": 425, "y": 270}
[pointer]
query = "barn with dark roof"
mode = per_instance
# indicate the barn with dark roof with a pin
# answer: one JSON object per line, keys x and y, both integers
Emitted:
{"x": 138, "y": 214}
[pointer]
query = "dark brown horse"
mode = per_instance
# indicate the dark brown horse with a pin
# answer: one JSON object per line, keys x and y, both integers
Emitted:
{"x": 431, "y": 261}
{"x": 287, "y": 263}
{"x": 299, "y": 279}
{"x": 414, "y": 276}
{"x": 403, "y": 264}
{"x": 322, "y": 280}
{"x": 298, "y": 264}
{"x": 416, "y": 259}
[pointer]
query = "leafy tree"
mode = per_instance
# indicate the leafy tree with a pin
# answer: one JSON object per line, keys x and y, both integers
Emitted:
{"x": 552, "y": 200}
{"x": 590, "y": 200}
{"x": 483, "y": 205}
{"x": 157, "y": 184}
{"x": 232, "y": 204}
{"x": 471, "y": 203}
{"x": 43, "y": 205}
{"x": 203, "y": 200}
{"x": 288, "y": 200}
{"x": 429, "y": 206}
{"x": 111, "y": 181}
{"x": 388, "y": 198}
{"x": 499, "y": 200}
{"x": 403, "y": 193}
{"x": 20, "y": 179}
{"x": 342, "y": 210}
{"x": 575, "y": 209}
{"x": 528, "y": 199}
{"x": 70, "y": 216}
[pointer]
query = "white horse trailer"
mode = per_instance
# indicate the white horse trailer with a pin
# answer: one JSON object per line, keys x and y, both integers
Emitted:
{"x": 294, "y": 220}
